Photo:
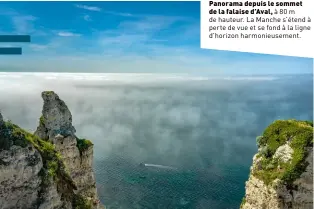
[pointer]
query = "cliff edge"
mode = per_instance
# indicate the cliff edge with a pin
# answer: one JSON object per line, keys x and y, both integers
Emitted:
{"x": 281, "y": 176}
{"x": 50, "y": 169}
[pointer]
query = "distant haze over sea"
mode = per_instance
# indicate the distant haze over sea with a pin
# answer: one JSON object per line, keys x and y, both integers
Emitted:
{"x": 203, "y": 128}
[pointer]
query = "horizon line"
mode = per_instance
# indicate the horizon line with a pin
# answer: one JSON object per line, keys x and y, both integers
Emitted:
{"x": 153, "y": 73}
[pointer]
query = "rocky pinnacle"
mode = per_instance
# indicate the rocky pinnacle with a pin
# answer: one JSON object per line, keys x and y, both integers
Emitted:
{"x": 56, "y": 117}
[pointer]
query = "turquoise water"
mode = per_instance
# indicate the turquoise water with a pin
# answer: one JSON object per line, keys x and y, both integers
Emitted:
{"x": 138, "y": 187}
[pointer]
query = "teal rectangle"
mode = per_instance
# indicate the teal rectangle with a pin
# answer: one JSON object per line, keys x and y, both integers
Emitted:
{"x": 15, "y": 38}
{"x": 10, "y": 50}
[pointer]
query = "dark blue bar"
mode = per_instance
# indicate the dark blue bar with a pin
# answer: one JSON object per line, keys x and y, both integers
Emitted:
{"x": 10, "y": 50}
{"x": 15, "y": 38}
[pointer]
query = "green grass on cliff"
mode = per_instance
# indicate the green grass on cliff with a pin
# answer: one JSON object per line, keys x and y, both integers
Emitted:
{"x": 9, "y": 137}
{"x": 48, "y": 93}
{"x": 299, "y": 135}
{"x": 243, "y": 202}
{"x": 83, "y": 144}
{"x": 42, "y": 120}
{"x": 15, "y": 135}
{"x": 80, "y": 202}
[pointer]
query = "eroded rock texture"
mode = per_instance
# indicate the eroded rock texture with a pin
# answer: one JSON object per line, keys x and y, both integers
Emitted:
{"x": 56, "y": 126}
{"x": 50, "y": 169}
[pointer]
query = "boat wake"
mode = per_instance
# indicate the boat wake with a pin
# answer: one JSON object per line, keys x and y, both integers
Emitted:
{"x": 160, "y": 166}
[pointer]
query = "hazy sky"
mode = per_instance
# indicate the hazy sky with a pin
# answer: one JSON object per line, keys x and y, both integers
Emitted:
{"x": 124, "y": 37}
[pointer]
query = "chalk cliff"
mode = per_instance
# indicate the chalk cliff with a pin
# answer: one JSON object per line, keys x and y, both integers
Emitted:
{"x": 281, "y": 176}
{"x": 50, "y": 169}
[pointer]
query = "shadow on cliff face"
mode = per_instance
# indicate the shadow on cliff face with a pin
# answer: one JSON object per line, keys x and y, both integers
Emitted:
{"x": 206, "y": 129}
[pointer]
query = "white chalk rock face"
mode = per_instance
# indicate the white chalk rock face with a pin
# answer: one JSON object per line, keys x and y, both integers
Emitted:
{"x": 284, "y": 153}
{"x": 278, "y": 196}
{"x": 19, "y": 177}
